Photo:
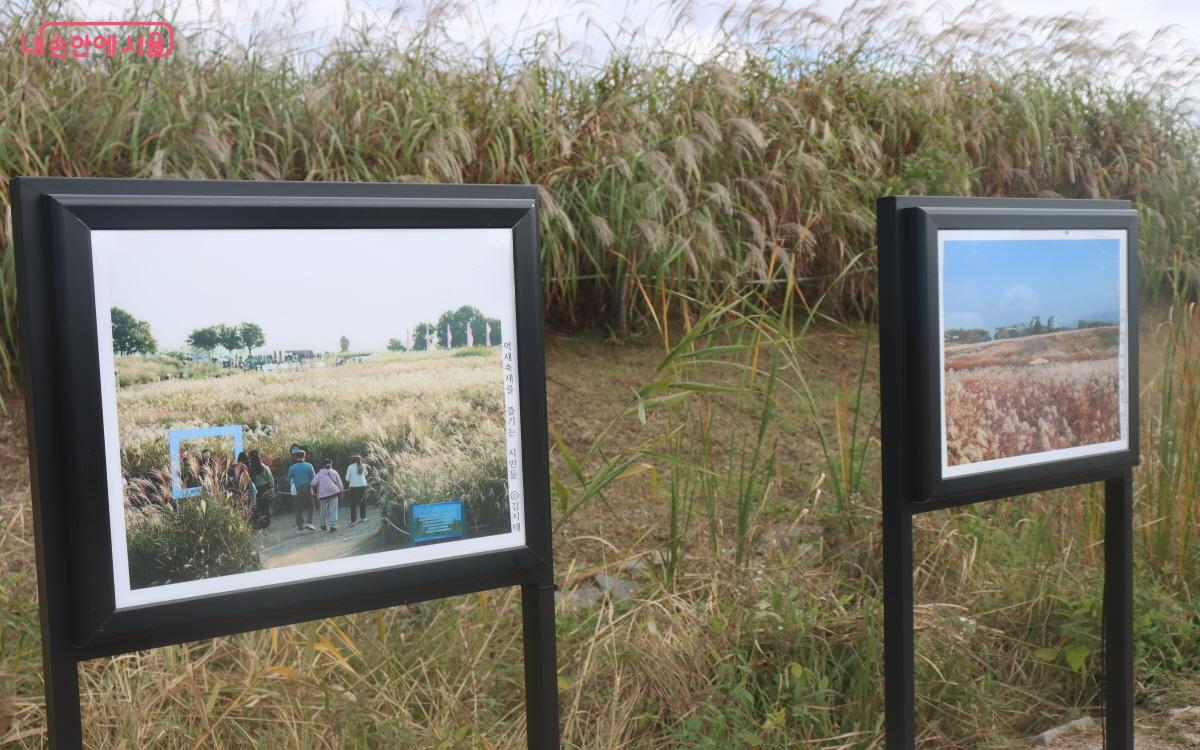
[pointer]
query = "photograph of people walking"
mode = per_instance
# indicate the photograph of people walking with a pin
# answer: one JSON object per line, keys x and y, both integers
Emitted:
{"x": 277, "y": 417}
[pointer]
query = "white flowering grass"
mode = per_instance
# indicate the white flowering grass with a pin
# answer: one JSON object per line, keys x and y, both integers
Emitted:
{"x": 429, "y": 424}
{"x": 1032, "y": 394}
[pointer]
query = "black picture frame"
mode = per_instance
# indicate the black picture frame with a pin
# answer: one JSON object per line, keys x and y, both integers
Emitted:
{"x": 910, "y": 341}
{"x": 912, "y": 311}
{"x": 53, "y": 218}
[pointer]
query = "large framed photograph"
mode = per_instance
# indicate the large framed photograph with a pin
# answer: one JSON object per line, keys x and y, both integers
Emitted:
{"x": 308, "y": 403}
{"x": 285, "y": 400}
{"x": 1034, "y": 332}
{"x": 1009, "y": 349}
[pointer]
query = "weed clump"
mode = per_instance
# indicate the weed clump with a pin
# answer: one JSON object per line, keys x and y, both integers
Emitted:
{"x": 203, "y": 537}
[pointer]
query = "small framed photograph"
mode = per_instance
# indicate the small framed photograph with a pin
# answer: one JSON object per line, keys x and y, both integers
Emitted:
{"x": 1034, "y": 332}
{"x": 289, "y": 399}
{"x": 1026, "y": 370}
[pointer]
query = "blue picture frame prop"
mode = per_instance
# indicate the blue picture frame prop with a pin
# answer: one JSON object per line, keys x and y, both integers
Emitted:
{"x": 911, "y": 347}
{"x": 175, "y": 437}
{"x": 53, "y": 218}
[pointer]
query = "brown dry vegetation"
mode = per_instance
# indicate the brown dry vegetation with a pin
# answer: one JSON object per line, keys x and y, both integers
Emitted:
{"x": 1066, "y": 346}
{"x": 1032, "y": 394}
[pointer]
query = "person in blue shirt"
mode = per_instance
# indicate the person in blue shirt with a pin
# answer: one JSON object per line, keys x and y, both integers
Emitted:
{"x": 301, "y": 474}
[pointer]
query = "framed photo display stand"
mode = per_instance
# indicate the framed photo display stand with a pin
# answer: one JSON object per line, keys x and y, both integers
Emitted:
{"x": 1008, "y": 365}
{"x": 255, "y": 403}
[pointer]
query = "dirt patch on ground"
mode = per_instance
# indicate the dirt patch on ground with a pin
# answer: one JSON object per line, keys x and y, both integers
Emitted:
{"x": 591, "y": 383}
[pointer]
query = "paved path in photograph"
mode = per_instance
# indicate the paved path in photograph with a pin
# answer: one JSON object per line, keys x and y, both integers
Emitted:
{"x": 280, "y": 544}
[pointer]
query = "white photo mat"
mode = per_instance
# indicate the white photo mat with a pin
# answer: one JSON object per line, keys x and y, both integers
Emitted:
{"x": 422, "y": 256}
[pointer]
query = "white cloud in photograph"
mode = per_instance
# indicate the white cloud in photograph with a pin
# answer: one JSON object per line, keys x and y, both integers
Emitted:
{"x": 1018, "y": 298}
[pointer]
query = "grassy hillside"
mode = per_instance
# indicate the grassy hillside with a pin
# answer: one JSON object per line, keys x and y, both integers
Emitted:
{"x": 1080, "y": 345}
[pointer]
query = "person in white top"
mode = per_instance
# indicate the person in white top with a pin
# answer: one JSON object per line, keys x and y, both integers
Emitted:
{"x": 356, "y": 483}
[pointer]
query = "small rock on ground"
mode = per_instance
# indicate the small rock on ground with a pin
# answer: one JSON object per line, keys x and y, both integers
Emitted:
{"x": 618, "y": 588}
{"x": 1050, "y": 735}
{"x": 636, "y": 566}
{"x": 583, "y": 597}
{"x": 806, "y": 540}
{"x": 589, "y": 594}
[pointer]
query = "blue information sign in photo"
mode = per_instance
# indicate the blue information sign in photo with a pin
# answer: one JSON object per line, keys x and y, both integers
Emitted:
{"x": 431, "y": 522}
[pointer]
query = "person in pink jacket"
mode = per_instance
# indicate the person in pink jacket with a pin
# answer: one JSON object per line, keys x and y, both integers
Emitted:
{"x": 327, "y": 486}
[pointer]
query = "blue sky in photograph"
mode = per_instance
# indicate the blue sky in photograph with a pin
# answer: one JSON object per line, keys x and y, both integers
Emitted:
{"x": 993, "y": 283}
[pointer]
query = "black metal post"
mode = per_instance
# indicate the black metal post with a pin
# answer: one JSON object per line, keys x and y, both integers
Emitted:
{"x": 1118, "y": 612}
{"x": 898, "y": 663}
{"x": 64, "y": 724}
{"x": 541, "y": 665}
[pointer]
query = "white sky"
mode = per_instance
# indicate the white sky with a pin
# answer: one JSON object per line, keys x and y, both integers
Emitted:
{"x": 308, "y": 287}
{"x": 506, "y": 21}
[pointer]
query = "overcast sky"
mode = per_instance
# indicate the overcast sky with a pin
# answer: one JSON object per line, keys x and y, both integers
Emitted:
{"x": 507, "y": 21}
{"x": 306, "y": 288}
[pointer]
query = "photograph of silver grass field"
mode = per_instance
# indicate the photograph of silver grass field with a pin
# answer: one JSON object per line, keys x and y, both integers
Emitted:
{"x": 1031, "y": 343}
{"x": 1032, "y": 394}
{"x": 429, "y": 425}
{"x": 274, "y": 409}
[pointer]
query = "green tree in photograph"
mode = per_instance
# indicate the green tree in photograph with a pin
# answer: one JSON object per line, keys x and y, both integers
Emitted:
{"x": 344, "y": 343}
{"x": 252, "y": 336}
{"x": 396, "y": 345}
{"x": 229, "y": 337}
{"x": 205, "y": 339}
{"x": 967, "y": 336}
{"x": 130, "y": 335}
{"x": 421, "y": 335}
{"x": 458, "y": 320}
